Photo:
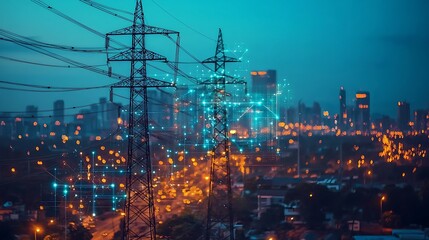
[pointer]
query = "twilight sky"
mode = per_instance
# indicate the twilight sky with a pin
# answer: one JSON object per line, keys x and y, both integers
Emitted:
{"x": 380, "y": 46}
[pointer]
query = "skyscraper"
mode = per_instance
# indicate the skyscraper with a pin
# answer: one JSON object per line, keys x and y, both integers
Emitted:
{"x": 362, "y": 112}
{"x": 342, "y": 117}
{"x": 263, "y": 94}
{"x": 421, "y": 120}
{"x": 59, "y": 111}
{"x": 31, "y": 112}
{"x": 264, "y": 84}
{"x": 403, "y": 116}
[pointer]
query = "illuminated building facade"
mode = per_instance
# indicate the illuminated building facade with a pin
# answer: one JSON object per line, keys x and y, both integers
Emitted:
{"x": 264, "y": 84}
{"x": 342, "y": 117}
{"x": 107, "y": 115}
{"x": 362, "y": 112}
{"x": 403, "y": 116}
{"x": 263, "y": 95}
{"x": 185, "y": 110}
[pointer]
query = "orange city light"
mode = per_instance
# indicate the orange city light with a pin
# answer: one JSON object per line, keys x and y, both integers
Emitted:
{"x": 360, "y": 95}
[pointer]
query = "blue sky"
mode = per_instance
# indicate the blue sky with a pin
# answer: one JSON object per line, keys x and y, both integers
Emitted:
{"x": 381, "y": 46}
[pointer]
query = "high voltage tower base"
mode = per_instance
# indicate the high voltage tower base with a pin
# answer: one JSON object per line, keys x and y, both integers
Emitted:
{"x": 139, "y": 220}
{"x": 219, "y": 223}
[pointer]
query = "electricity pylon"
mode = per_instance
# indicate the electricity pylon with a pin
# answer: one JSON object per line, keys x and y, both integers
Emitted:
{"x": 220, "y": 220}
{"x": 139, "y": 220}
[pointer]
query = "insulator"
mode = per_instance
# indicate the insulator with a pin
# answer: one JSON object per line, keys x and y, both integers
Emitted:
{"x": 109, "y": 71}
{"x": 107, "y": 42}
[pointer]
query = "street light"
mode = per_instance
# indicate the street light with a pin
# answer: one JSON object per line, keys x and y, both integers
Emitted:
{"x": 381, "y": 205}
{"x": 36, "y": 230}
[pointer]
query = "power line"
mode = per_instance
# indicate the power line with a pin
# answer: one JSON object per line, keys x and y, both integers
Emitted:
{"x": 72, "y": 20}
{"x": 67, "y": 60}
{"x": 64, "y": 115}
{"x": 104, "y": 9}
{"x": 45, "y": 64}
{"x": 107, "y": 7}
{"x": 54, "y": 88}
{"x": 50, "y": 110}
{"x": 184, "y": 24}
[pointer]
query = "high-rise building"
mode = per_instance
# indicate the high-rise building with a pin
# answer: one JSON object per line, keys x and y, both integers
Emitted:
{"x": 31, "y": 126}
{"x": 316, "y": 118}
{"x": 57, "y": 123}
{"x": 421, "y": 118}
{"x": 31, "y": 112}
{"x": 362, "y": 112}
{"x": 342, "y": 117}
{"x": 403, "y": 116}
{"x": 263, "y": 95}
{"x": 264, "y": 85}
{"x": 166, "y": 117}
{"x": 59, "y": 111}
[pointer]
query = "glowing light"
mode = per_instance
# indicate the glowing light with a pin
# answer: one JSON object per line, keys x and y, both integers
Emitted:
{"x": 360, "y": 95}
{"x": 119, "y": 120}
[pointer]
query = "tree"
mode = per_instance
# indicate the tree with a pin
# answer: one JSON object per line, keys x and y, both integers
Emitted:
{"x": 315, "y": 200}
{"x": 181, "y": 228}
{"x": 79, "y": 232}
{"x": 273, "y": 216}
{"x": 6, "y": 231}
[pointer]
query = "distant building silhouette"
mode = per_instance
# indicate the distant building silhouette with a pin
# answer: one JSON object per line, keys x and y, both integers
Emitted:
{"x": 403, "y": 116}
{"x": 59, "y": 111}
{"x": 362, "y": 112}
{"x": 31, "y": 126}
{"x": 421, "y": 118}
{"x": 342, "y": 117}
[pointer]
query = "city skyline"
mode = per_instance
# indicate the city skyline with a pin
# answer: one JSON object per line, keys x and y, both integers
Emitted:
{"x": 316, "y": 47}
{"x": 70, "y": 112}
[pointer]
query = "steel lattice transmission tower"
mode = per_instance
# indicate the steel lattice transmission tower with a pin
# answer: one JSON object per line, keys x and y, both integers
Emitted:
{"x": 139, "y": 220}
{"x": 219, "y": 223}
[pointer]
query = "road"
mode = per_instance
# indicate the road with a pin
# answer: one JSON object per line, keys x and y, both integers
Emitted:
{"x": 106, "y": 228}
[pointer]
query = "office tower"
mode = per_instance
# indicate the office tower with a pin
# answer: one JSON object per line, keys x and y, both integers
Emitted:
{"x": 31, "y": 126}
{"x": 342, "y": 117}
{"x": 108, "y": 114}
{"x": 263, "y": 96}
{"x": 264, "y": 85}
{"x": 166, "y": 117}
{"x": 421, "y": 118}
{"x": 31, "y": 112}
{"x": 403, "y": 116}
{"x": 59, "y": 111}
{"x": 291, "y": 115}
{"x": 362, "y": 112}
{"x": 316, "y": 116}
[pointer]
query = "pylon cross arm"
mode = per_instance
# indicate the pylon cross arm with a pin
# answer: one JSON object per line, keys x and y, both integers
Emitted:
{"x": 141, "y": 30}
{"x": 137, "y": 55}
{"x": 143, "y": 82}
